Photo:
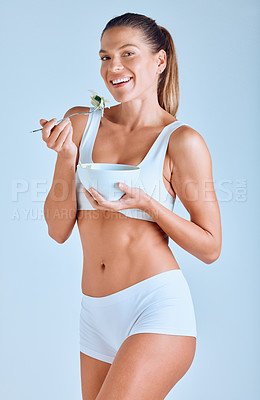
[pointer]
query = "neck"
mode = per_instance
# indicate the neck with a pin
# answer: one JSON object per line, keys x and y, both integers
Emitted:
{"x": 140, "y": 113}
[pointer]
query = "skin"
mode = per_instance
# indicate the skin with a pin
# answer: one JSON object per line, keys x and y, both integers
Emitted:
{"x": 134, "y": 126}
{"x": 147, "y": 365}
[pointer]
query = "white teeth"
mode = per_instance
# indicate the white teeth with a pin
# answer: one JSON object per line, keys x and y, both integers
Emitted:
{"x": 121, "y": 80}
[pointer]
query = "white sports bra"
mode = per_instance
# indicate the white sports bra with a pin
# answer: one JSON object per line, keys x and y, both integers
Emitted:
{"x": 151, "y": 167}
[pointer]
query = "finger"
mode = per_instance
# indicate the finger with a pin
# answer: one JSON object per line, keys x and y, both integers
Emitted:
{"x": 124, "y": 187}
{"x": 102, "y": 202}
{"x": 87, "y": 193}
{"x": 68, "y": 138}
{"x": 56, "y": 140}
{"x": 46, "y": 130}
{"x": 51, "y": 128}
{"x": 96, "y": 203}
{"x": 121, "y": 185}
{"x": 92, "y": 201}
{"x": 98, "y": 196}
{"x": 43, "y": 121}
{"x": 57, "y": 129}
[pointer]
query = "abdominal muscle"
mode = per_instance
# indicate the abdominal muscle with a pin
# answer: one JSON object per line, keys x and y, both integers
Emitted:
{"x": 119, "y": 251}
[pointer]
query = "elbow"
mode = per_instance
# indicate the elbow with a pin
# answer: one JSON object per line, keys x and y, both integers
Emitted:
{"x": 213, "y": 256}
{"x": 60, "y": 241}
{"x": 60, "y": 236}
{"x": 210, "y": 260}
{"x": 57, "y": 239}
{"x": 212, "y": 249}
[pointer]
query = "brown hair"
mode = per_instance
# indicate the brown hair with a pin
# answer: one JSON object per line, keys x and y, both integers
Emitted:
{"x": 157, "y": 38}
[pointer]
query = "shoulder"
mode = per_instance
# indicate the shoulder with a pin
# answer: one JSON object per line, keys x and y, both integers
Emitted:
{"x": 78, "y": 121}
{"x": 187, "y": 145}
{"x": 76, "y": 109}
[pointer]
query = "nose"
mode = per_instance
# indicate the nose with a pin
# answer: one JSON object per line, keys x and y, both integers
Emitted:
{"x": 115, "y": 65}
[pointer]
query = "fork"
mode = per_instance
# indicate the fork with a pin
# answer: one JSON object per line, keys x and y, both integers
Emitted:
{"x": 36, "y": 130}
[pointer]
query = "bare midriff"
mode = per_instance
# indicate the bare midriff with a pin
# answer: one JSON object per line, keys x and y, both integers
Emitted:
{"x": 119, "y": 251}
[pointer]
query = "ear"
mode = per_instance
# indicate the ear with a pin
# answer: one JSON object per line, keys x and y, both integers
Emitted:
{"x": 161, "y": 61}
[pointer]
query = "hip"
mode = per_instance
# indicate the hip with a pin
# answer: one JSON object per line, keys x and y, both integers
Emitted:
{"x": 159, "y": 304}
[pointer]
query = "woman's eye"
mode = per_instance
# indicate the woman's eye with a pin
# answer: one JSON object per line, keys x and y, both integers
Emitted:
{"x": 103, "y": 58}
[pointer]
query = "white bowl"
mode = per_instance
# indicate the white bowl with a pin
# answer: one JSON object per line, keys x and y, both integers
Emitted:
{"x": 105, "y": 177}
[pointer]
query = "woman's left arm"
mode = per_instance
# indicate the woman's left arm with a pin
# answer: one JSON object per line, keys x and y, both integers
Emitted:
{"x": 192, "y": 181}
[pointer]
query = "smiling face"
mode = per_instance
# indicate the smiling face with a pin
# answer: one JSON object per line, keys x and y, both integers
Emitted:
{"x": 125, "y": 55}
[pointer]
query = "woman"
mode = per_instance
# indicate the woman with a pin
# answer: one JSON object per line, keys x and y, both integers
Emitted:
{"x": 137, "y": 326}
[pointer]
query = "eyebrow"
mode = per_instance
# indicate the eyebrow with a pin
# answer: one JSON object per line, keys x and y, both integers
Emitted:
{"x": 125, "y": 45}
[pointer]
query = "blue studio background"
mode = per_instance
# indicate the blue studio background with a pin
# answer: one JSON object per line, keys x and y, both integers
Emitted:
{"x": 49, "y": 61}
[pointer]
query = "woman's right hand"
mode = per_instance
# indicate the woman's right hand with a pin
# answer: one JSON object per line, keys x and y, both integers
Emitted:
{"x": 59, "y": 137}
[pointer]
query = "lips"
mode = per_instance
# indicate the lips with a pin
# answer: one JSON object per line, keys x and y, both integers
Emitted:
{"x": 122, "y": 83}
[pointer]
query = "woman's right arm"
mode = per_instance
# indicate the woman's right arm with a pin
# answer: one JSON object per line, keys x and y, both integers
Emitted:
{"x": 60, "y": 208}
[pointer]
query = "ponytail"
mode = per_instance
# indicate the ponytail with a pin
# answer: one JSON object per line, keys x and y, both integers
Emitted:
{"x": 168, "y": 85}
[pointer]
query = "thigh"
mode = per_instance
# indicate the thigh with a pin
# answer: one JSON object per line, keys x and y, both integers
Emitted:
{"x": 147, "y": 366}
{"x": 93, "y": 373}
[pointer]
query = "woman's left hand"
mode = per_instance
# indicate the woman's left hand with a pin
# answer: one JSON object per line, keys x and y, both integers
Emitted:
{"x": 133, "y": 198}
